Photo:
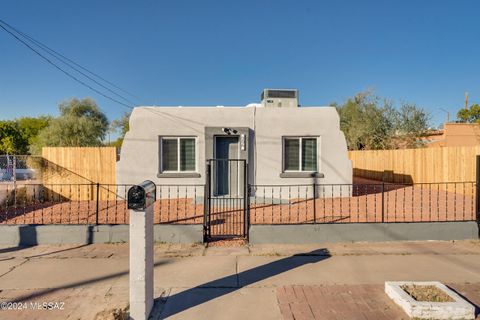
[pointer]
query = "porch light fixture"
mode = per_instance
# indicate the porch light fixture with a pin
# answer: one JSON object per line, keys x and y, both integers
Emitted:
{"x": 229, "y": 131}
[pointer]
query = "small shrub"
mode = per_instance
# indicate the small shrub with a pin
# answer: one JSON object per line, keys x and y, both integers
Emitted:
{"x": 20, "y": 196}
{"x": 114, "y": 314}
{"x": 426, "y": 293}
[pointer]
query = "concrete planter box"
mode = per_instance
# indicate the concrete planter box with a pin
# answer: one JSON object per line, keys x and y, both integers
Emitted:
{"x": 458, "y": 309}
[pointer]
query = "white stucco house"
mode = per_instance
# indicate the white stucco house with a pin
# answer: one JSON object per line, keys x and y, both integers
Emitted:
{"x": 280, "y": 143}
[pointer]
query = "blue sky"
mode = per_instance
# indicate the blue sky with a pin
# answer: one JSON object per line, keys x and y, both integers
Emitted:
{"x": 226, "y": 52}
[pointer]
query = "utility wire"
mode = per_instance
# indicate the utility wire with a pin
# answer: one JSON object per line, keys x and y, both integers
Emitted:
{"x": 57, "y": 55}
{"x": 65, "y": 60}
{"x": 62, "y": 70}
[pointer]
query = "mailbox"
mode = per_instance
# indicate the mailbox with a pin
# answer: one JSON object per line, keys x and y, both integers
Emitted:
{"x": 141, "y": 196}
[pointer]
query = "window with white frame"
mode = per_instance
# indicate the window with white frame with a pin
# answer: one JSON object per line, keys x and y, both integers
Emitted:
{"x": 300, "y": 154}
{"x": 178, "y": 154}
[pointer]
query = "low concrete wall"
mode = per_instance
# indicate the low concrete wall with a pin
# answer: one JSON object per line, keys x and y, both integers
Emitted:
{"x": 86, "y": 234}
{"x": 363, "y": 232}
{"x": 178, "y": 233}
{"x": 170, "y": 233}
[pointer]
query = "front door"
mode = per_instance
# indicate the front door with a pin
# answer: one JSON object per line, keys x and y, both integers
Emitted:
{"x": 226, "y": 172}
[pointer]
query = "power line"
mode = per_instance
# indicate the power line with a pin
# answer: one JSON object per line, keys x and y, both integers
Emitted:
{"x": 67, "y": 60}
{"x": 57, "y": 54}
{"x": 63, "y": 71}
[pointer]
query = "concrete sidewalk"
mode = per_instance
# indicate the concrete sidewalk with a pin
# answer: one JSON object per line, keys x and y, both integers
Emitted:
{"x": 194, "y": 282}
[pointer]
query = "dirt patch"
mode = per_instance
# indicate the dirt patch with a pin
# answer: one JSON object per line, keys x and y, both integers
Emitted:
{"x": 427, "y": 293}
{"x": 114, "y": 314}
{"x": 228, "y": 243}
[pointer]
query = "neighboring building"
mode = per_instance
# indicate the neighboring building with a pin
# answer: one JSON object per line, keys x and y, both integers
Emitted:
{"x": 281, "y": 143}
{"x": 454, "y": 135}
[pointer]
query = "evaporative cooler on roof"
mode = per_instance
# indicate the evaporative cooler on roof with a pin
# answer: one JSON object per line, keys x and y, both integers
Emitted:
{"x": 280, "y": 98}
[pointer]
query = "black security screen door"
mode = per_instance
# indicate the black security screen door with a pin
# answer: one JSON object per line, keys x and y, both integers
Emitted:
{"x": 226, "y": 199}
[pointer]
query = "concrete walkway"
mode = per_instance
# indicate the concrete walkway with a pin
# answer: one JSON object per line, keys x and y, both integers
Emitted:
{"x": 194, "y": 282}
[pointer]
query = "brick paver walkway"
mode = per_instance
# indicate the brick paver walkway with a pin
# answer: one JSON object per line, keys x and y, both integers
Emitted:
{"x": 349, "y": 302}
{"x": 471, "y": 292}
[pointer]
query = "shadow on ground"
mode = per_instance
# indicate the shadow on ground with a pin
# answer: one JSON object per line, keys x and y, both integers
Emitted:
{"x": 12, "y": 249}
{"x": 474, "y": 302}
{"x": 40, "y": 293}
{"x": 168, "y": 306}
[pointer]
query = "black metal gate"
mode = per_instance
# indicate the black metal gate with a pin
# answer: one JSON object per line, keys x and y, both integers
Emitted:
{"x": 226, "y": 199}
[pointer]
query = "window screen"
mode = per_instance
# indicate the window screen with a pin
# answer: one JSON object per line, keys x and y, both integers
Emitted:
{"x": 300, "y": 154}
{"x": 309, "y": 154}
{"x": 178, "y": 154}
{"x": 292, "y": 155}
{"x": 170, "y": 154}
{"x": 187, "y": 154}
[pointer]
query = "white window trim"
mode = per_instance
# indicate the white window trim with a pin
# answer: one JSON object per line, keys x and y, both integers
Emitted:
{"x": 300, "y": 138}
{"x": 178, "y": 138}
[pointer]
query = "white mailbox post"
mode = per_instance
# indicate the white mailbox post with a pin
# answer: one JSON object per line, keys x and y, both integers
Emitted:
{"x": 141, "y": 199}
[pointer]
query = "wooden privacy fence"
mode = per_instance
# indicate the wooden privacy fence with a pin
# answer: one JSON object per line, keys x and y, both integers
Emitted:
{"x": 445, "y": 164}
{"x": 92, "y": 165}
{"x": 86, "y": 166}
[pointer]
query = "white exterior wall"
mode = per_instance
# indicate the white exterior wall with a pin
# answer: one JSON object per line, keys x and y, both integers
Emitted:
{"x": 139, "y": 159}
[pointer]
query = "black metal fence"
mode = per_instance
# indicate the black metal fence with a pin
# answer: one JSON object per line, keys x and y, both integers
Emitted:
{"x": 31, "y": 203}
{"x": 363, "y": 203}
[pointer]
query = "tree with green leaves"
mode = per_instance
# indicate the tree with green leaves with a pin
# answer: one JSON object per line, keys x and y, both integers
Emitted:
{"x": 31, "y": 126}
{"x": 12, "y": 140}
{"x": 411, "y": 125}
{"x": 121, "y": 126}
{"x": 365, "y": 123}
{"x": 80, "y": 124}
{"x": 470, "y": 115}
{"x": 372, "y": 123}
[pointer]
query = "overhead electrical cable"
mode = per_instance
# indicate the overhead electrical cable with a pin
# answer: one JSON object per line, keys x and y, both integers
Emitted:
{"x": 67, "y": 61}
{"x": 3, "y": 24}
